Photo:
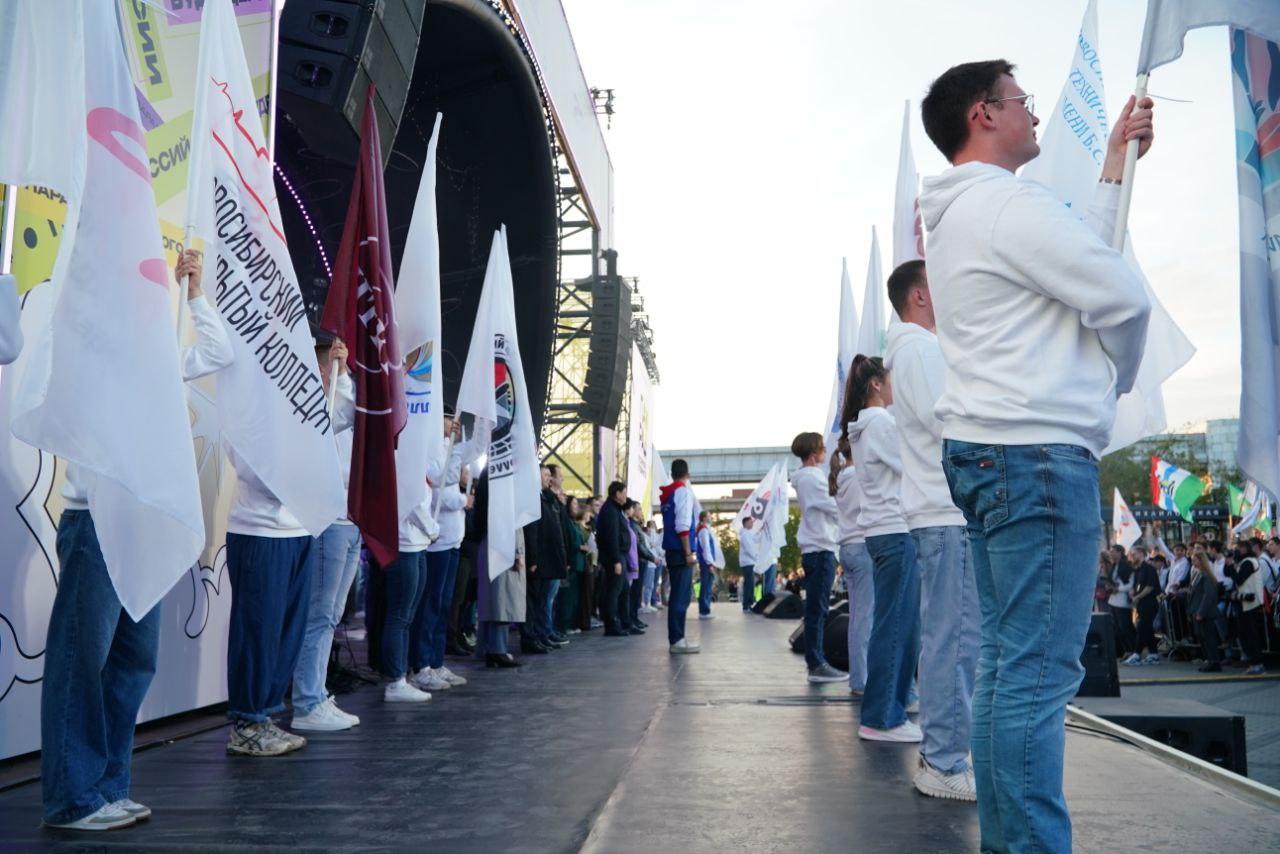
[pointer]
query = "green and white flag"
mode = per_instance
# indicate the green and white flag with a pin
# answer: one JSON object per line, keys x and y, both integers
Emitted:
{"x": 1252, "y": 507}
{"x": 1174, "y": 489}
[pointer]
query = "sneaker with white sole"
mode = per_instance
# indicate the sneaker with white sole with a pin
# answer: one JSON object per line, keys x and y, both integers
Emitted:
{"x": 295, "y": 741}
{"x": 323, "y": 718}
{"x": 952, "y": 787}
{"x": 449, "y": 676}
{"x": 355, "y": 721}
{"x": 903, "y": 733}
{"x": 1132, "y": 660}
{"x": 683, "y": 647}
{"x": 826, "y": 673}
{"x": 140, "y": 812}
{"x": 1153, "y": 658}
{"x": 401, "y": 691}
{"x": 105, "y": 817}
{"x": 255, "y": 738}
{"x": 428, "y": 680}
{"x": 706, "y": 616}
{"x": 913, "y": 708}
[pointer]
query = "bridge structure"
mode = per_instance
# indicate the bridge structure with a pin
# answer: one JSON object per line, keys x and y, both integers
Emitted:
{"x": 731, "y": 465}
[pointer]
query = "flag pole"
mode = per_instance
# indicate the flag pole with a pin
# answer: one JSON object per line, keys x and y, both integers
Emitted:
{"x": 185, "y": 284}
{"x": 333, "y": 385}
{"x": 435, "y": 493}
{"x": 1130, "y": 167}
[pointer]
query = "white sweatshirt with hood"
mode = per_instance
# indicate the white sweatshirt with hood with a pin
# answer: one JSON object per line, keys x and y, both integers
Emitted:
{"x": 914, "y": 361}
{"x": 874, "y": 441}
{"x": 1041, "y": 323}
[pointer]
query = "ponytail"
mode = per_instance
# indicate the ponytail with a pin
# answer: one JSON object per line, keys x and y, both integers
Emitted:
{"x": 863, "y": 371}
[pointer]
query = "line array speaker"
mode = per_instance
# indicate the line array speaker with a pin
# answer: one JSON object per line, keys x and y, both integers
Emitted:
{"x": 610, "y": 355}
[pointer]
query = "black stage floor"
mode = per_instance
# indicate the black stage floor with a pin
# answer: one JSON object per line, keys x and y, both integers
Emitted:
{"x": 612, "y": 745}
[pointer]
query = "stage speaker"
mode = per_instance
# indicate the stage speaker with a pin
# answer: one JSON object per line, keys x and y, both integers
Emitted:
{"x": 835, "y": 640}
{"x": 785, "y": 606}
{"x": 1215, "y": 735}
{"x": 1101, "y": 675}
{"x": 841, "y": 607}
{"x": 609, "y": 358}
{"x": 329, "y": 53}
{"x": 762, "y": 603}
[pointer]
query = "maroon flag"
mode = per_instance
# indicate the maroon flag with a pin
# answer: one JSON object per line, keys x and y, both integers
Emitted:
{"x": 359, "y": 310}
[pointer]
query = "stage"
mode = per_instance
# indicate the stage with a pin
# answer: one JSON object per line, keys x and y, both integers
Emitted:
{"x": 612, "y": 745}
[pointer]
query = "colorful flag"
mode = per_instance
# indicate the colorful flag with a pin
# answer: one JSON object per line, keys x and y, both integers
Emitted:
{"x": 1253, "y": 508}
{"x": 767, "y": 505}
{"x": 846, "y": 335}
{"x": 871, "y": 334}
{"x": 1235, "y": 500}
{"x": 360, "y": 310}
{"x": 495, "y": 404}
{"x": 418, "y": 316}
{"x": 271, "y": 402}
{"x": 1174, "y": 489}
{"x": 1255, "y": 65}
{"x": 1124, "y": 527}
{"x": 908, "y": 230}
{"x": 1169, "y": 20}
{"x": 1072, "y": 148}
{"x": 101, "y": 385}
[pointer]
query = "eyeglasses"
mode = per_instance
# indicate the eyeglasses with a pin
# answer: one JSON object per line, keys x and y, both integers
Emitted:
{"x": 1028, "y": 102}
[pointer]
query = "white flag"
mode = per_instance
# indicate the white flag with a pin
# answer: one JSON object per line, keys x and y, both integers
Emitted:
{"x": 1124, "y": 527}
{"x": 661, "y": 477}
{"x": 271, "y": 400}
{"x": 418, "y": 323}
{"x": 102, "y": 386}
{"x": 1072, "y": 149}
{"x": 846, "y": 334}
{"x": 494, "y": 395}
{"x": 908, "y": 230}
{"x": 1168, "y": 21}
{"x": 767, "y": 505}
{"x": 871, "y": 334}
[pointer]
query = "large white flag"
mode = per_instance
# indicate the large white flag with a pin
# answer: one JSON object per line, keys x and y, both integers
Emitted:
{"x": 1168, "y": 21}
{"x": 1072, "y": 150}
{"x": 767, "y": 505}
{"x": 271, "y": 400}
{"x": 872, "y": 332}
{"x": 1256, "y": 84}
{"x": 846, "y": 335}
{"x": 908, "y": 230}
{"x": 101, "y": 384}
{"x": 494, "y": 396}
{"x": 418, "y": 322}
{"x": 1124, "y": 528}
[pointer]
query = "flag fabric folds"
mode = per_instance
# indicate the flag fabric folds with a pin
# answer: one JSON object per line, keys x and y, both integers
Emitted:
{"x": 1174, "y": 489}
{"x": 494, "y": 401}
{"x": 360, "y": 309}
{"x": 908, "y": 229}
{"x": 846, "y": 336}
{"x": 1169, "y": 20}
{"x": 101, "y": 385}
{"x": 767, "y": 505}
{"x": 1124, "y": 527}
{"x": 271, "y": 402}
{"x": 871, "y": 334}
{"x": 418, "y": 317}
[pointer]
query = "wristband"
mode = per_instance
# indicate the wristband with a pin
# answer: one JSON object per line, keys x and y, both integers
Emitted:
{"x": 1116, "y": 181}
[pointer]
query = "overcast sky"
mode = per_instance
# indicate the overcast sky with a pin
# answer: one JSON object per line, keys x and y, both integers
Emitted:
{"x": 756, "y": 143}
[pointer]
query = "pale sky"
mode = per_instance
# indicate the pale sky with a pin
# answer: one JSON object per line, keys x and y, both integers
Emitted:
{"x": 756, "y": 143}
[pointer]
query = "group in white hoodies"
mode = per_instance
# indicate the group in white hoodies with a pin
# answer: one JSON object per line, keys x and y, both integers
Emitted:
{"x": 873, "y": 438}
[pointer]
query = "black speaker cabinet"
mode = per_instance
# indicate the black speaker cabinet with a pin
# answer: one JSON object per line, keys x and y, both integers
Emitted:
{"x": 785, "y": 606}
{"x": 1215, "y": 735}
{"x": 1101, "y": 675}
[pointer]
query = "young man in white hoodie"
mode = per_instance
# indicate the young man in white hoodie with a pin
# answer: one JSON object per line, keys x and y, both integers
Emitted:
{"x": 949, "y": 622}
{"x": 1042, "y": 326}
{"x": 817, "y": 540}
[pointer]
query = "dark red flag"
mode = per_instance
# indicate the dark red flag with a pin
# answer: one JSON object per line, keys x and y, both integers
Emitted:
{"x": 359, "y": 310}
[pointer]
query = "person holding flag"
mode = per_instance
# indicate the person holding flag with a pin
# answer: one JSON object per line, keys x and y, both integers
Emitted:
{"x": 748, "y": 544}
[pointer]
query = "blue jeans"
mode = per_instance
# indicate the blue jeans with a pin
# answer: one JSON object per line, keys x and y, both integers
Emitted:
{"x": 819, "y": 575}
{"x": 404, "y": 579}
{"x": 1033, "y": 526}
{"x": 98, "y": 664}
{"x": 549, "y": 606}
{"x": 426, "y": 636}
{"x": 707, "y": 584}
{"x": 647, "y": 575}
{"x": 859, "y": 573}
{"x": 332, "y": 571}
{"x": 949, "y": 636}
{"x": 491, "y": 639}
{"x": 748, "y": 594}
{"x": 770, "y": 576}
{"x": 681, "y": 593}
{"x": 894, "y": 648}
{"x": 270, "y": 587}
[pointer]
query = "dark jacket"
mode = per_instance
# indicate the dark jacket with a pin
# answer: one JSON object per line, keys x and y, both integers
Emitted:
{"x": 1203, "y": 601}
{"x": 642, "y": 543}
{"x": 613, "y": 537}
{"x": 551, "y": 556}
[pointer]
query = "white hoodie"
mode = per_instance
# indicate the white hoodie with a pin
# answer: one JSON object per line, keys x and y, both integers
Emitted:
{"x": 849, "y": 499}
{"x": 818, "y": 510}
{"x": 874, "y": 440}
{"x": 914, "y": 361}
{"x": 1041, "y": 323}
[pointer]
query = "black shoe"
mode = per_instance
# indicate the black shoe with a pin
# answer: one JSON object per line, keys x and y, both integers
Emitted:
{"x": 560, "y": 638}
{"x": 552, "y": 643}
{"x": 532, "y": 648}
{"x": 610, "y": 633}
{"x": 456, "y": 651}
{"x": 636, "y": 630}
{"x": 641, "y": 624}
{"x": 468, "y": 640}
{"x": 1211, "y": 668}
{"x": 506, "y": 659}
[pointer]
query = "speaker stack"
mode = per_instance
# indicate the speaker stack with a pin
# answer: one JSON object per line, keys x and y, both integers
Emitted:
{"x": 609, "y": 359}
{"x": 1215, "y": 735}
{"x": 1101, "y": 675}
{"x": 785, "y": 606}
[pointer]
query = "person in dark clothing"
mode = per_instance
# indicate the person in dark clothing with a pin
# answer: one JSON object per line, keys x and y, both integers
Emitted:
{"x": 456, "y": 641}
{"x": 1120, "y": 602}
{"x": 1146, "y": 587}
{"x": 547, "y": 568}
{"x": 1203, "y": 605}
{"x": 646, "y": 557}
{"x": 613, "y": 540}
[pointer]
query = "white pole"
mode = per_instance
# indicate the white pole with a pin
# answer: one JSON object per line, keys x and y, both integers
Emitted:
{"x": 183, "y": 286}
{"x": 333, "y": 385}
{"x": 435, "y": 493}
{"x": 10, "y": 192}
{"x": 1130, "y": 167}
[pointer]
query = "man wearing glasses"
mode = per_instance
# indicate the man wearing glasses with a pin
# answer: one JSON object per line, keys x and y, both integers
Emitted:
{"x": 1041, "y": 326}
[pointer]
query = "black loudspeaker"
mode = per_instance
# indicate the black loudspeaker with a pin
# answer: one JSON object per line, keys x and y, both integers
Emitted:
{"x": 1101, "y": 675}
{"x": 609, "y": 359}
{"x": 762, "y": 603}
{"x": 329, "y": 53}
{"x": 785, "y": 606}
{"x": 1206, "y": 732}
{"x": 841, "y": 607}
{"x": 835, "y": 639}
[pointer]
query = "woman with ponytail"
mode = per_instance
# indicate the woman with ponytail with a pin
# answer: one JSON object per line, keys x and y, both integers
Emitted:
{"x": 894, "y": 645}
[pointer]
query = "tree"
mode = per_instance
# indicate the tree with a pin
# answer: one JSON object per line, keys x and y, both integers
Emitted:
{"x": 729, "y": 545}
{"x": 790, "y": 557}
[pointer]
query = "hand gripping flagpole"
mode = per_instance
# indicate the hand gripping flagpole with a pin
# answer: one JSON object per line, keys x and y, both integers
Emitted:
{"x": 1130, "y": 167}
{"x": 333, "y": 385}
{"x": 435, "y": 493}
{"x": 184, "y": 285}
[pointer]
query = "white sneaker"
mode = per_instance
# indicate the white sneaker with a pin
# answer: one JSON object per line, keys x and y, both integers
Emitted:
{"x": 826, "y": 673}
{"x": 139, "y": 811}
{"x": 449, "y": 676}
{"x": 427, "y": 679}
{"x": 355, "y": 721}
{"x": 683, "y": 647}
{"x": 401, "y": 691}
{"x": 903, "y": 733}
{"x": 1132, "y": 660}
{"x": 952, "y": 787}
{"x": 323, "y": 718}
{"x": 357, "y": 634}
{"x": 106, "y": 817}
{"x": 914, "y": 708}
{"x": 706, "y": 616}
